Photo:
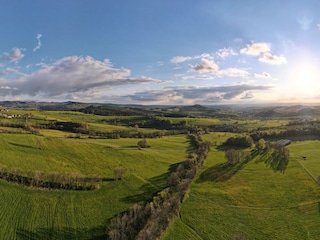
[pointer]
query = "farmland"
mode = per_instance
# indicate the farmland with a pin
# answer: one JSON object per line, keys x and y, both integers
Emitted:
{"x": 255, "y": 201}
{"x": 42, "y": 214}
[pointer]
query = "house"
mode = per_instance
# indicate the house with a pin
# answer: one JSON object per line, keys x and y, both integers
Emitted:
{"x": 283, "y": 142}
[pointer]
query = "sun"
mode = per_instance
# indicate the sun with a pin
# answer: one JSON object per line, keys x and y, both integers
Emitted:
{"x": 306, "y": 79}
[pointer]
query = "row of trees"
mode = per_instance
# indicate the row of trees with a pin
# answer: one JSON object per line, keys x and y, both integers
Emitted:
{"x": 274, "y": 155}
{"x": 286, "y": 133}
{"x": 23, "y": 126}
{"x": 237, "y": 156}
{"x": 50, "y": 180}
{"x": 150, "y": 220}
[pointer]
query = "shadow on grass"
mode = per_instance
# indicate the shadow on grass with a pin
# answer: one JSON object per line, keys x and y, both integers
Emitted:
{"x": 220, "y": 172}
{"x": 128, "y": 147}
{"x": 274, "y": 161}
{"x": 224, "y": 171}
{"x": 108, "y": 179}
{"x": 150, "y": 189}
{"x": 98, "y": 233}
{"x": 24, "y": 146}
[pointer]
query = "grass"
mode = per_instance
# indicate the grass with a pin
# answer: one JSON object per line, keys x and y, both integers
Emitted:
{"x": 42, "y": 214}
{"x": 310, "y": 150}
{"x": 250, "y": 201}
{"x": 30, "y": 214}
{"x": 255, "y": 203}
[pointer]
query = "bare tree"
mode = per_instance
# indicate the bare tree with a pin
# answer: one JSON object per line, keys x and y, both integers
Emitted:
{"x": 40, "y": 144}
{"x": 118, "y": 173}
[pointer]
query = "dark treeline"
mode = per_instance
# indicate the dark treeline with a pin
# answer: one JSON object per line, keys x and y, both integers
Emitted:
{"x": 150, "y": 220}
{"x": 116, "y": 111}
{"x": 310, "y": 131}
{"x": 50, "y": 180}
{"x": 244, "y": 141}
{"x": 23, "y": 126}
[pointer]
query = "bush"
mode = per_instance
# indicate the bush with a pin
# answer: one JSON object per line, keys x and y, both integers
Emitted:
{"x": 143, "y": 144}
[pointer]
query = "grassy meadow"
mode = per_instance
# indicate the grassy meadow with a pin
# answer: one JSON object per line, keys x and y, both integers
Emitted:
{"x": 51, "y": 214}
{"x": 250, "y": 202}
{"x": 255, "y": 203}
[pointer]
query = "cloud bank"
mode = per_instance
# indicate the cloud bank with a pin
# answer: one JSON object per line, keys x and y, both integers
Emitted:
{"x": 202, "y": 94}
{"x": 72, "y": 74}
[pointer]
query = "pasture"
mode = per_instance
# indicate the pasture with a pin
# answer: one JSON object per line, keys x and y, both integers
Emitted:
{"x": 254, "y": 203}
{"x": 50, "y": 214}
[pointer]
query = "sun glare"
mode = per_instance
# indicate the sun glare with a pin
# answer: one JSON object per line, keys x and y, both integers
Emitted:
{"x": 306, "y": 79}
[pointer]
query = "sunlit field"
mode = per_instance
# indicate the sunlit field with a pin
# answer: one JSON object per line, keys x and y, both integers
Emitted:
{"x": 255, "y": 203}
{"x": 60, "y": 214}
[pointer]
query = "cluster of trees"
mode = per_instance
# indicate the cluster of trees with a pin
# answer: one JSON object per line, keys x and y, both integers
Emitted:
{"x": 243, "y": 141}
{"x": 50, "y": 180}
{"x": 150, "y": 220}
{"x": 66, "y": 126}
{"x": 237, "y": 156}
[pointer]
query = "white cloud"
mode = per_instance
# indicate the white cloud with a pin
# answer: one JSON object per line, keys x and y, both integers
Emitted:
{"x": 180, "y": 59}
{"x": 8, "y": 71}
{"x": 226, "y": 52}
{"x": 256, "y": 49}
{"x": 263, "y": 49}
{"x": 206, "y": 66}
{"x": 14, "y": 56}
{"x": 262, "y": 75}
{"x": 203, "y": 55}
{"x": 233, "y": 72}
{"x": 272, "y": 59}
{"x": 193, "y": 77}
{"x": 72, "y": 74}
{"x": 39, "y": 44}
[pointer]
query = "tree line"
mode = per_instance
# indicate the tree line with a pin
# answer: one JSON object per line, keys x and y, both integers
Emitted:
{"x": 150, "y": 220}
{"x": 50, "y": 180}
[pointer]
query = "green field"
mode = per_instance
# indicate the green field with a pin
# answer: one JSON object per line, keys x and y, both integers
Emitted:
{"x": 42, "y": 214}
{"x": 251, "y": 202}
{"x": 255, "y": 203}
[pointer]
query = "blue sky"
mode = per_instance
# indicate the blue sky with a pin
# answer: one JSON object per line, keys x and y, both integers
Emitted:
{"x": 160, "y": 52}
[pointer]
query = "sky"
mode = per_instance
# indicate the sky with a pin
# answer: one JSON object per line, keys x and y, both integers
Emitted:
{"x": 169, "y": 52}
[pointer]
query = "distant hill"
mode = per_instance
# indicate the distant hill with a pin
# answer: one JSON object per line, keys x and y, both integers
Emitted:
{"x": 221, "y": 111}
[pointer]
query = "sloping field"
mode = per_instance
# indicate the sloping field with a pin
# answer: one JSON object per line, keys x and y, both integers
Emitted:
{"x": 51, "y": 214}
{"x": 307, "y": 154}
{"x": 254, "y": 203}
